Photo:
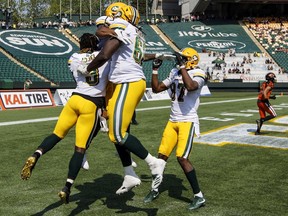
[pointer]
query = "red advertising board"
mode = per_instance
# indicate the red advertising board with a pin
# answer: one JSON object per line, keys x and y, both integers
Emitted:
{"x": 17, "y": 99}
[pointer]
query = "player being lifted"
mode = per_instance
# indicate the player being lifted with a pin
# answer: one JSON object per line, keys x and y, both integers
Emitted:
{"x": 184, "y": 85}
{"x": 82, "y": 110}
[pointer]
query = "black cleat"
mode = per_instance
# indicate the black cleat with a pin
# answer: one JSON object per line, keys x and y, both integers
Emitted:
{"x": 64, "y": 195}
{"x": 196, "y": 203}
{"x": 151, "y": 196}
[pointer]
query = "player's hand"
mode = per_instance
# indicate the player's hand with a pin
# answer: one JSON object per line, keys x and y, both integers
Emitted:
{"x": 179, "y": 59}
{"x": 156, "y": 64}
{"x": 122, "y": 37}
{"x": 82, "y": 69}
{"x": 92, "y": 73}
{"x": 273, "y": 97}
{"x": 163, "y": 56}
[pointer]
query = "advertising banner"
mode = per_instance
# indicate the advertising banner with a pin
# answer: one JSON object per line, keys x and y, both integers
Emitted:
{"x": 16, "y": 99}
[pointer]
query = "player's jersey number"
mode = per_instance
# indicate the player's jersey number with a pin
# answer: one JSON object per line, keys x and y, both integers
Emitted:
{"x": 94, "y": 79}
{"x": 179, "y": 93}
{"x": 139, "y": 48}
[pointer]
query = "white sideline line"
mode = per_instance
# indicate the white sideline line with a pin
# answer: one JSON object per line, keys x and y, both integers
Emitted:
{"x": 141, "y": 109}
{"x": 28, "y": 121}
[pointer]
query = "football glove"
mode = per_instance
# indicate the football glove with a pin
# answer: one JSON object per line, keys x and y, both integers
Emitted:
{"x": 156, "y": 64}
{"x": 122, "y": 37}
{"x": 103, "y": 122}
{"x": 82, "y": 69}
{"x": 273, "y": 97}
{"x": 179, "y": 59}
{"x": 265, "y": 101}
{"x": 163, "y": 56}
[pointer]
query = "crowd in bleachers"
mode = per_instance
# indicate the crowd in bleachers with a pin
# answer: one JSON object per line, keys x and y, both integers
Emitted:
{"x": 232, "y": 65}
{"x": 273, "y": 35}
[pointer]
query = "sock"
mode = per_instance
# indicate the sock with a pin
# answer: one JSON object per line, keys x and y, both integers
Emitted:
{"x": 37, "y": 154}
{"x": 267, "y": 118}
{"x": 135, "y": 146}
{"x": 75, "y": 165}
{"x": 49, "y": 142}
{"x": 149, "y": 159}
{"x": 124, "y": 155}
{"x": 191, "y": 176}
{"x": 200, "y": 194}
{"x": 129, "y": 171}
{"x": 69, "y": 183}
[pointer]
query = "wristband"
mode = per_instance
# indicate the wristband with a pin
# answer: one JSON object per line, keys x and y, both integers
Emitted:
{"x": 182, "y": 67}
{"x": 155, "y": 72}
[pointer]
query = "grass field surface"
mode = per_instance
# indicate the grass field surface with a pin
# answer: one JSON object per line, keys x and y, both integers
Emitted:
{"x": 240, "y": 174}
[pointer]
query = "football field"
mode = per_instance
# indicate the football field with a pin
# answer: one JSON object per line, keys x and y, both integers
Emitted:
{"x": 240, "y": 174}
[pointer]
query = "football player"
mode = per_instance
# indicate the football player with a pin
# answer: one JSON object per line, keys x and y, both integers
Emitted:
{"x": 125, "y": 51}
{"x": 82, "y": 110}
{"x": 263, "y": 103}
{"x": 104, "y": 33}
{"x": 184, "y": 85}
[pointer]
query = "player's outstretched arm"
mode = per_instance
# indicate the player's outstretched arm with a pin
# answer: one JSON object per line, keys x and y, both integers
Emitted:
{"x": 155, "y": 84}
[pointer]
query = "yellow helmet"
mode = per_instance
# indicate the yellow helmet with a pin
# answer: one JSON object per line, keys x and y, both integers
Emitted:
{"x": 191, "y": 56}
{"x": 113, "y": 10}
{"x": 130, "y": 14}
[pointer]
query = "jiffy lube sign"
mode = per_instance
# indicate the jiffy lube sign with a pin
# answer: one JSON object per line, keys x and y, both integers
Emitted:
{"x": 210, "y": 36}
{"x": 33, "y": 42}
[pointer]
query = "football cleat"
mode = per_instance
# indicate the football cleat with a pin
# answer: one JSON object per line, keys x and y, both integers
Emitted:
{"x": 151, "y": 196}
{"x": 27, "y": 168}
{"x": 257, "y": 132}
{"x": 128, "y": 183}
{"x": 64, "y": 195}
{"x": 196, "y": 203}
{"x": 85, "y": 164}
{"x": 156, "y": 181}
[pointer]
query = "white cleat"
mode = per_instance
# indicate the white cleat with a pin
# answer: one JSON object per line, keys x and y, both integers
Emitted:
{"x": 128, "y": 183}
{"x": 156, "y": 181}
{"x": 85, "y": 164}
{"x": 157, "y": 169}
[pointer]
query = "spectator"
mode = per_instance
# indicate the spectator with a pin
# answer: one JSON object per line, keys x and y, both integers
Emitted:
{"x": 27, "y": 84}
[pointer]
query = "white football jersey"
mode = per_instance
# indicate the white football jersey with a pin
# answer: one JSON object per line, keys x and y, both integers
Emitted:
{"x": 94, "y": 86}
{"x": 104, "y": 20}
{"x": 127, "y": 60}
{"x": 184, "y": 104}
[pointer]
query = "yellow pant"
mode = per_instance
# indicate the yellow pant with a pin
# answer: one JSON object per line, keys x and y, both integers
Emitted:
{"x": 121, "y": 106}
{"x": 82, "y": 113}
{"x": 180, "y": 134}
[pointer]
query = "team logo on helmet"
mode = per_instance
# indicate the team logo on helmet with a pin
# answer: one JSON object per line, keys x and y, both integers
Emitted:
{"x": 114, "y": 9}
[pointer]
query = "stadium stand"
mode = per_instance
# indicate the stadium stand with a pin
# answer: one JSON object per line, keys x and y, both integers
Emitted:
{"x": 13, "y": 71}
{"x": 211, "y": 38}
{"x": 45, "y": 51}
{"x": 273, "y": 36}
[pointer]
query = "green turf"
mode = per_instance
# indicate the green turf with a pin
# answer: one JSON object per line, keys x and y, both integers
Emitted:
{"x": 236, "y": 179}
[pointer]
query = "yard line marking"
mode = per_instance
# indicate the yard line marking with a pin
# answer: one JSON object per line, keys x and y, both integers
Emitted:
{"x": 140, "y": 109}
{"x": 28, "y": 121}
